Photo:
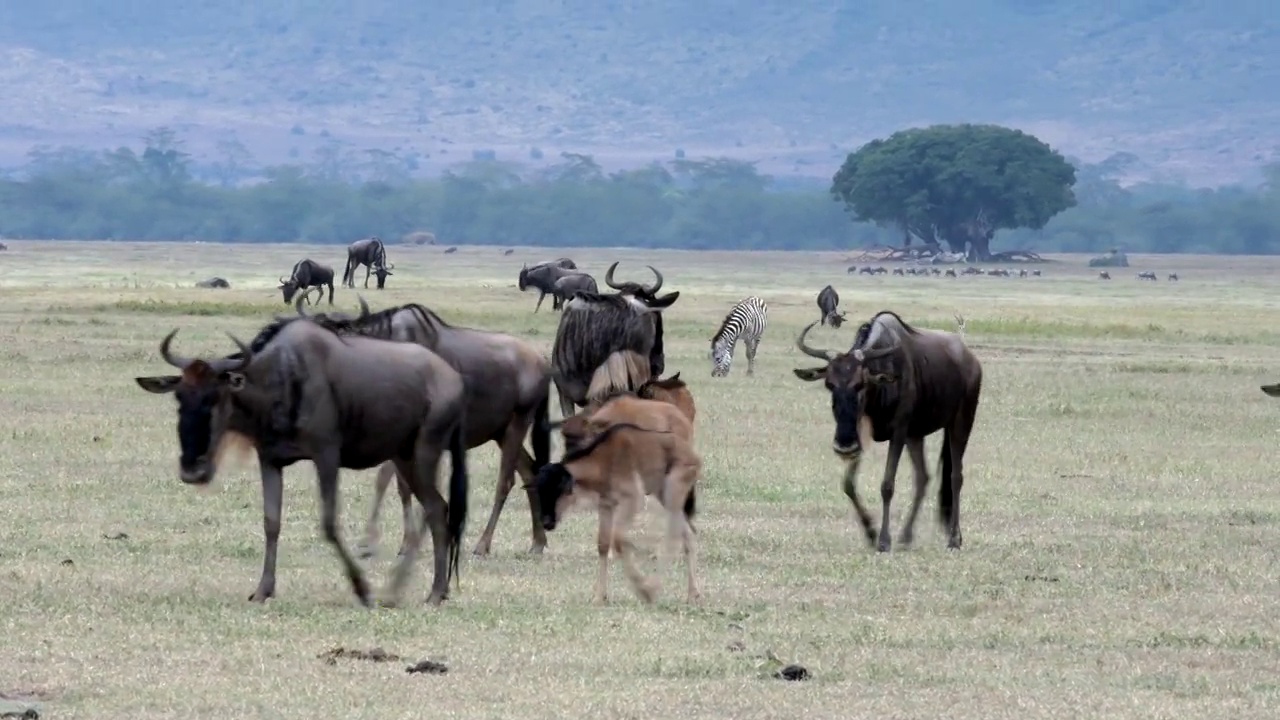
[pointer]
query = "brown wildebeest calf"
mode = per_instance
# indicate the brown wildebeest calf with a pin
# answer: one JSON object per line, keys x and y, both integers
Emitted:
{"x": 628, "y": 449}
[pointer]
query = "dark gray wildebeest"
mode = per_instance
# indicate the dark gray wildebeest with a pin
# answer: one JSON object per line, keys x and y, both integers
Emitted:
{"x": 1104, "y": 275}
{"x": 588, "y": 356}
{"x": 828, "y": 299}
{"x": 568, "y": 285}
{"x": 899, "y": 384}
{"x": 215, "y": 283}
{"x": 1148, "y": 275}
{"x": 301, "y": 392}
{"x": 1272, "y": 390}
{"x": 372, "y": 254}
{"x": 508, "y": 383}
{"x": 306, "y": 276}
{"x": 1173, "y": 277}
{"x": 543, "y": 277}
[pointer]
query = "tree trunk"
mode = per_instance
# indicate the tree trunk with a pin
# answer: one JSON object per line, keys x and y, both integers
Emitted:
{"x": 980, "y": 247}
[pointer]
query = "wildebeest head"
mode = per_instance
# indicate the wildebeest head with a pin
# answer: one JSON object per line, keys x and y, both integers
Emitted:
{"x": 382, "y": 271}
{"x": 523, "y": 282}
{"x": 203, "y": 390}
{"x": 847, "y": 377}
{"x": 648, "y": 295}
{"x": 288, "y": 287}
{"x": 554, "y": 488}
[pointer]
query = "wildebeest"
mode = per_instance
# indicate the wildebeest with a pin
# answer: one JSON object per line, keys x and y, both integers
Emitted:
{"x": 628, "y": 449}
{"x": 747, "y": 321}
{"x": 215, "y": 283}
{"x": 1173, "y": 277}
{"x": 900, "y": 384}
{"x": 508, "y": 251}
{"x": 451, "y": 250}
{"x": 596, "y": 327}
{"x": 508, "y": 383}
{"x": 569, "y": 284}
{"x": 1104, "y": 275}
{"x": 828, "y": 299}
{"x": 307, "y": 274}
{"x": 300, "y": 392}
{"x": 543, "y": 277}
{"x": 1272, "y": 390}
{"x": 1148, "y": 275}
{"x": 371, "y": 253}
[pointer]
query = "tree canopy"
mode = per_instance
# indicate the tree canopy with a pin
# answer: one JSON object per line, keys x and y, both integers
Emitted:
{"x": 956, "y": 183}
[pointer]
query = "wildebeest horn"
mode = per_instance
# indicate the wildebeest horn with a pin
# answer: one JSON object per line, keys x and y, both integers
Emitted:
{"x": 364, "y": 306}
{"x": 827, "y": 355}
{"x": 865, "y": 355}
{"x": 392, "y": 266}
{"x": 179, "y": 362}
{"x": 608, "y": 276}
{"x": 657, "y": 285}
{"x": 233, "y": 364}
{"x": 283, "y": 280}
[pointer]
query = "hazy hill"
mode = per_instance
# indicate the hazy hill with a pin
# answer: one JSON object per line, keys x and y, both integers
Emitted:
{"x": 1190, "y": 86}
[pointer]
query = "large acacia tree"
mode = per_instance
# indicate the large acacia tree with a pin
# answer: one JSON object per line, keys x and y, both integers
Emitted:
{"x": 956, "y": 183}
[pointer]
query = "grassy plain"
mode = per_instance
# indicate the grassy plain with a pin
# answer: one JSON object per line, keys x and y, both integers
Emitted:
{"x": 1121, "y": 511}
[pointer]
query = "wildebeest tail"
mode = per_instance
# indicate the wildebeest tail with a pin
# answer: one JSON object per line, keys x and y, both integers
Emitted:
{"x": 946, "y": 499}
{"x": 691, "y": 507}
{"x": 540, "y": 434}
{"x": 457, "y": 497}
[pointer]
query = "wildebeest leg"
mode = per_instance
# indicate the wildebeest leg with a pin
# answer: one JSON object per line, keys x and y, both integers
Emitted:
{"x": 915, "y": 450}
{"x": 957, "y": 441}
{"x": 511, "y": 444}
{"x": 524, "y": 466}
{"x": 886, "y": 492}
{"x": 604, "y": 540}
{"x": 272, "y": 500}
{"x": 851, "y": 490}
{"x": 367, "y": 268}
{"x": 566, "y": 402}
{"x": 541, "y": 294}
{"x": 327, "y": 474}
{"x": 675, "y": 491}
{"x": 386, "y": 472}
{"x": 330, "y": 292}
{"x": 623, "y": 518}
{"x": 421, "y": 473}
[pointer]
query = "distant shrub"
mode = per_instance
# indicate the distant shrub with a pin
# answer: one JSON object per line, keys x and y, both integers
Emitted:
{"x": 419, "y": 237}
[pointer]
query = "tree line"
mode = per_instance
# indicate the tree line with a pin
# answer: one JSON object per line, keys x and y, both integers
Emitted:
{"x": 158, "y": 193}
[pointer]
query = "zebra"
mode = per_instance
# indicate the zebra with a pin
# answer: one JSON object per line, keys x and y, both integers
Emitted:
{"x": 746, "y": 320}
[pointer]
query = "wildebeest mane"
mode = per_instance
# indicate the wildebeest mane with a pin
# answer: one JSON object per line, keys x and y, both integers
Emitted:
{"x": 672, "y": 383}
{"x": 380, "y": 324}
{"x": 612, "y": 300}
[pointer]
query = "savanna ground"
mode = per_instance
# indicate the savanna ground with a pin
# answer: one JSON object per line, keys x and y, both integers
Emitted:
{"x": 1120, "y": 510}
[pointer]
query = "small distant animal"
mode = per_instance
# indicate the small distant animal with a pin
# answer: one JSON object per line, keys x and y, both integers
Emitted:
{"x": 1104, "y": 275}
{"x": 971, "y": 271}
{"x": 1023, "y": 272}
{"x": 867, "y": 270}
{"x": 508, "y": 251}
{"x": 307, "y": 275}
{"x": 371, "y": 253}
{"x": 627, "y": 449}
{"x": 451, "y": 250}
{"x": 568, "y": 285}
{"x": 936, "y": 272}
{"x": 543, "y": 277}
{"x": 898, "y": 271}
{"x": 998, "y": 272}
{"x": 1035, "y": 273}
{"x": 746, "y": 320}
{"x": 828, "y": 299}
{"x": 851, "y": 269}
{"x": 1272, "y": 390}
{"x": 3, "y": 246}
{"x": 950, "y": 273}
{"x": 214, "y": 283}
{"x": 1173, "y": 277}
{"x": 1147, "y": 275}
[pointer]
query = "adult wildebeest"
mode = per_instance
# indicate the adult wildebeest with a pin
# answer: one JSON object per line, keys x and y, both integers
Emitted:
{"x": 543, "y": 277}
{"x": 371, "y": 253}
{"x": 828, "y": 299}
{"x": 307, "y": 275}
{"x": 1173, "y": 277}
{"x": 508, "y": 389}
{"x": 1148, "y": 275}
{"x": 627, "y": 449}
{"x": 214, "y": 283}
{"x": 300, "y": 392}
{"x": 574, "y": 282}
{"x": 1272, "y": 390}
{"x": 587, "y": 357}
{"x": 900, "y": 384}
{"x": 1104, "y": 275}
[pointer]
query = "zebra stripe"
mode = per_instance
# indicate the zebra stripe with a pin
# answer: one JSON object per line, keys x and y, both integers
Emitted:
{"x": 746, "y": 321}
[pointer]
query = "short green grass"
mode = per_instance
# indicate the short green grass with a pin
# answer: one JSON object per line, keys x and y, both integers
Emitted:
{"x": 1121, "y": 511}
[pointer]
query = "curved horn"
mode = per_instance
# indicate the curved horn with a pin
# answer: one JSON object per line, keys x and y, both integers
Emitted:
{"x": 297, "y": 305}
{"x": 179, "y": 362}
{"x": 234, "y": 364}
{"x": 392, "y": 266}
{"x": 283, "y": 280}
{"x": 657, "y": 285}
{"x": 865, "y": 355}
{"x": 364, "y": 307}
{"x": 827, "y": 355}
{"x": 608, "y": 276}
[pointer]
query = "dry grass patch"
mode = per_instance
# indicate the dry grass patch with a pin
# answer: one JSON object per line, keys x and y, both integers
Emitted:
{"x": 1120, "y": 512}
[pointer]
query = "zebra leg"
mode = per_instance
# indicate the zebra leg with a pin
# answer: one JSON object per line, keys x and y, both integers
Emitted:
{"x": 751, "y": 356}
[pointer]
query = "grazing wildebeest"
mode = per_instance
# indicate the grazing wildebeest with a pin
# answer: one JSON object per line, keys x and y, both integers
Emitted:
{"x": 950, "y": 272}
{"x": 215, "y": 283}
{"x": 371, "y": 253}
{"x": 900, "y": 384}
{"x": 543, "y": 278}
{"x": 747, "y": 321}
{"x": 1148, "y": 275}
{"x": 507, "y": 252}
{"x": 1104, "y": 275}
{"x": 828, "y": 299}
{"x": 899, "y": 271}
{"x": 1272, "y": 390}
{"x": 1173, "y": 277}
{"x": 626, "y": 450}
{"x": 300, "y": 392}
{"x": 587, "y": 356}
{"x": 1035, "y": 273}
{"x": 508, "y": 385}
{"x": 565, "y": 288}
{"x": 307, "y": 275}
{"x": 451, "y": 250}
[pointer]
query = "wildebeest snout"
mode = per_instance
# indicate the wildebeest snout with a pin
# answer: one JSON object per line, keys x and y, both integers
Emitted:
{"x": 198, "y": 473}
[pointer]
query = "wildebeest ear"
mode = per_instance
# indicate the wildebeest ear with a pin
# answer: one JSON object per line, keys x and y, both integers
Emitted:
{"x": 159, "y": 383}
{"x": 660, "y": 303}
{"x": 811, "y": 374}
{"x": 233, "y": 380}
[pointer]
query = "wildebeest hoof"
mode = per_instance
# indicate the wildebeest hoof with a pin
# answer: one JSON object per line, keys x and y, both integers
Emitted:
{"x": 647, "y": 590}
{"x": 480, "y": 550}
{"x": 435, "y": 599}
{"x": 883, "y": 545}
{"x": 953, "y": 544}
{"x": 260, "y": 595}
{"x": 537, "y": 549}
{"x": 905, "y": 539}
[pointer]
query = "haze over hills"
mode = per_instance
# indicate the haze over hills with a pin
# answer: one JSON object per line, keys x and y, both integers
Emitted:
{"x": 1191, "y": 87}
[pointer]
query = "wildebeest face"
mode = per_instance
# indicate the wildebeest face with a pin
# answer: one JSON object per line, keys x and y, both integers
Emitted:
{"x": 382, "y": 273}
{"x": 288, "y": 288}
{"x": 554, "y": 488}
{"x": 523, "y": 281}
{"x": 847, "y": 378}
{"x": 203, "y": 392}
